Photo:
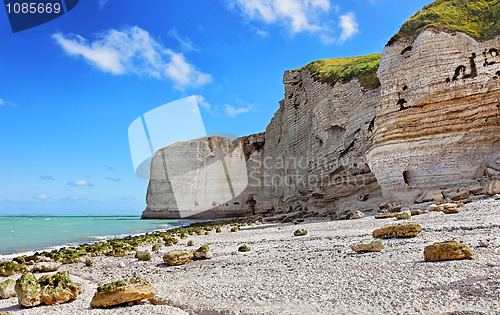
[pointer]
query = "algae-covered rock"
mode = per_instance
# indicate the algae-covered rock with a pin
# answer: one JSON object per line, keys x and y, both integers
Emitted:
{"x": 7, "y": 289}
{"x": 401, "y": 230}
{"x": 235, "y": 229}
{"x": 8, "y": 268}
{"x": 177, "y": 257}
{"x": 28, "y": 290}
{"x": 403, "y": 215}
{"x": 300, "y": 232}
{"x": 190, "y": 243}
{"x": 156, "y": 247}
{"x": 89, "y": 262}
{"x": 119, "y": 292}
{"x": 369, "y": 245}
{"x": 244, "y": 248}
{"x": 203, "y": 252}
{"x": 385, "y": 215}
{"x": 143, "y": 255}
{"x": 449, "y": 250}
{"x": 58, "y": 288}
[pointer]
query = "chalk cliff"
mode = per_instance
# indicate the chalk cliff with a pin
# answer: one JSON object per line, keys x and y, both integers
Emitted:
{"x": 350, "y": 133}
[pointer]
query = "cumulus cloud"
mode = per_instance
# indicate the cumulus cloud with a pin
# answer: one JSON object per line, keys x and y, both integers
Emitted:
{"x": 296, "y": 15}
{"x": 133, "y": 50}
{"x": 234, "y": 111}
{"x": 114, "y": 179}
{"x": 185, "y": 43}
{"x": 349, "y": 26}
{"x": 46, "y": 177}
{"x": 80, "y": 183}
{"x": 42, "y": 197}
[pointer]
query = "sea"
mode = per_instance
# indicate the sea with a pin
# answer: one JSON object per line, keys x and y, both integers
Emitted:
{"x": 28, "y": 234}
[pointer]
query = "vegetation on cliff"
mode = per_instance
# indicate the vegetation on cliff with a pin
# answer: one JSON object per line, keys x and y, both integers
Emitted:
{"x": 479, "y": 19}
{"x": 345, "y": 69}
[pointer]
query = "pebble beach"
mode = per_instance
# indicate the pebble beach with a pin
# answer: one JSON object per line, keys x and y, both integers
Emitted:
{"x": 317, "y": 273}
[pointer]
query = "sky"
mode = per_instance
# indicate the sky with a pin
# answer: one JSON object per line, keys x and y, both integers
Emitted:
{"x": 70, "y": 88}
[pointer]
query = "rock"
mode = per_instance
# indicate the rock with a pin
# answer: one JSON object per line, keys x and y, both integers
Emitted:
{"x": 7, "y": 289}
{"x": 483, "y": 244}
{"x": 358, "y": 215}
{"x": 399, "y": 208}
{"x": 450, "y": 210}
{"x": 121, "y": 265}
{"x": 385, "y": 215}
{"x": 460, "y": 195}
{"x": 400, "y": 230}
{"x": 438, "y": 198}
{"x": 432, "y": 207}
{"x": 481, "y": 171}
{"x": 492, "y": 173}
{"x": 177, "y": 257}
{"x": 477, "y": 190}
{"x": 156, "y": 247}
{"x": 119, "y": 292}
{"x": 156, "y": 300}
{"x": 244, "y": 248}
{"x": 8, "y": 268}
{"x": 46, "y": 267}
{"x": 300, "y": 232}
{"x": 416, "y": 212}
{"x": 449, "y": 250}
{"x": 58, "y": 288}
{"x": 28, "y": 290}
{"x": 235, "y": 229}
{"x": 404, "y": 215}
{"x": 89, "y": 262}
{"x": 386, "y": 206}
{"x": 190, "y": 243}
{"x": 491, "y": 264}
{"x": 492, "y": 187}
{"x": 143, "y": 255}
{"x": 203, "y": 252}
{"x": 369, "y": 245}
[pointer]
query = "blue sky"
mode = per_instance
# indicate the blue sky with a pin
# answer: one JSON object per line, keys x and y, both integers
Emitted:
{"x": 70, "y": 88}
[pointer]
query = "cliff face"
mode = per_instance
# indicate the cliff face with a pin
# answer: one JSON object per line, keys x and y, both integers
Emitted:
{"x": 311, "y": 158}
{"x": 439, "y": 116}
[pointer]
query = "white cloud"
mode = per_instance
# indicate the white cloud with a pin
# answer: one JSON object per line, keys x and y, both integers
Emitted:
{"x": 102, "y": 3}
{"x": 79, "y": 183}
{"x": 297, "y": 15}
{"x": 43, "y": 197}
{"x": 2, "y": 102}
{"x": 203, "y": 102}
{"x": 349, "y": 26}
{"x": 233, "y": 111}
{"x": 186, "y": 43}
{"x": 133, "y": 51}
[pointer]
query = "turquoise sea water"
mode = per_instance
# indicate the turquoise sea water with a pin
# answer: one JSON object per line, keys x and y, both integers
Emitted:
{"x": 19, "y": 234}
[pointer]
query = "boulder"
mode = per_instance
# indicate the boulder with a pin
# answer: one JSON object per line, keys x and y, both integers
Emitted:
{"x": 8, "y": 268}
{"x": 177, "y": 257}
{"x": 490, "y": 172}
{"x": 46, "y": 267}
{"x": 300, "y": 232}
{"x": 403, "y": 215}
{"x": 449, "y": 250}
{"x": 492, "y": 187}
{"x": 89, "y": 262}
{"x": 203, "y": 252}
{"x": 143, "y": 255}
{"x": 28, "y": 290}
{"x": 400, "y": 230}
{"x": 190, "y": 243}
{"x": 119, "y": 292}
{"x": 358, "y": 215}
{"x": 417, "y": 212}
{"x": 7, "y": 289}
{"x": 385, "y": 215}
{"x": 432, "y": 207}
{"x": 58, "y": 288}
{"x": 459, "y": 195}
{"x": 244, "y": 248}
{"x": 369, "y": 245}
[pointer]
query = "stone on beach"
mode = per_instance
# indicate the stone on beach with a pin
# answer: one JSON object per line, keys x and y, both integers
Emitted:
{"x": 46, "y": 267}
{"x": 119, "y": 292}
{"x": 369, "y": 245}
{"x": 300, "y": 232}
{"x": 403, "y": 215}
{"x": 400, "y": 230}
{"x": 28, "y": 290}
{"x": 7, "y": 289}
{"x": 492, "y": 187}
{"x": 385, "y": 215}
{"x": 244, "y": 248}
{"x": 449, "y": 250}
{"x": 203, "y": 252}
{"x": 143, "y": 255}
{"x": 58, "y": 288}
{"x": 358, "y": 215}
{"x": 89, "y": 262}
{"x": 177, "y": 257}
{"x": 8, "y": 268}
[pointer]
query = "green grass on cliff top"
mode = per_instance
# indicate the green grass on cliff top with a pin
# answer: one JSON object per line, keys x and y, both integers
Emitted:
{"x": 479, "y": 19}
{"x": 345, "y": 69}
